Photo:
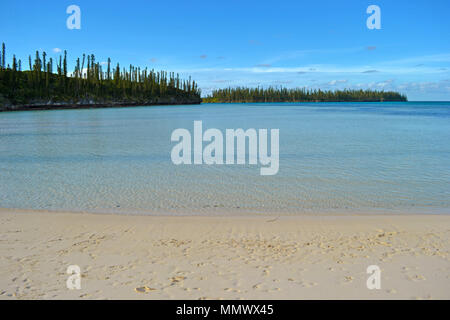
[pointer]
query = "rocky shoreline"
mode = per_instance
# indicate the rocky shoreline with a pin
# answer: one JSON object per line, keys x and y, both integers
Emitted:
{"x": 90, "y": 104}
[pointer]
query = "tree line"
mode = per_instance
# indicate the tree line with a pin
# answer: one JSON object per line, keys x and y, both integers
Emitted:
{"x": 49, "y": 81}
{"x": 273, "y": 94}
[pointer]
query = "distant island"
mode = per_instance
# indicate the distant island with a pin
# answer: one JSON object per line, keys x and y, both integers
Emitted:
{"x": 271, "y": 94}
{"x": 47, "y": 84}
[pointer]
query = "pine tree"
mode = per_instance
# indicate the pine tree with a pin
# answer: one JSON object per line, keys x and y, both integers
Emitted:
{"x": 134, "y": 85}
{"x": 65, "y": 64}
{"x": 3, "y": 55}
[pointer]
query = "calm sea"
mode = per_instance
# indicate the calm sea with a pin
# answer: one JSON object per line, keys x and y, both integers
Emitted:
{"x": 334, "y": 157}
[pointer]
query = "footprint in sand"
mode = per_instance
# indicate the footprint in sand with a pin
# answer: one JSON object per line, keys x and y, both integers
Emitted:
{"x": 177, "y": 279}
{"x": 348, "y": 278}
{"x": 416, "y": 277}
{"x": 143, "y": 289}
{"x": 257, "y": 286}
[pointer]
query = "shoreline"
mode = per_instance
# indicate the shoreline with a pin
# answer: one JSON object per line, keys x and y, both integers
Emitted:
{"x": 75, "y": 106}
{"x": 242, "y": 212}
{"x": 218, "y": 257}
{"x": 306, "y": 101}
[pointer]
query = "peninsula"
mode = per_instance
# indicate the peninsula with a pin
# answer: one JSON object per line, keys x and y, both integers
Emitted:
{"x": 47, "y": 84}
{"x": 272, "y": 94}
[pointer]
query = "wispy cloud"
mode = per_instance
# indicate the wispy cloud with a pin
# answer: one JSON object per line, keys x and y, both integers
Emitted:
{"x": 426, "y": 86}
{"x": 222, "y": 81}
{"x": 281, "y": 82}
{"x": 411, "y": 75}
{"x": 335, "y": 82}
{"x": 326, "y": 69}
{"x": 444, "y": 57}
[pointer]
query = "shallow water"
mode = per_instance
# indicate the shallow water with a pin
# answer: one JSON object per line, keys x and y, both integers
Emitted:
{"x": 334, "y": 157}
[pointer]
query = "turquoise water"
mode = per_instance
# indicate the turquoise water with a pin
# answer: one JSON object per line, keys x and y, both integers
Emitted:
{"x": 334, "y": 157}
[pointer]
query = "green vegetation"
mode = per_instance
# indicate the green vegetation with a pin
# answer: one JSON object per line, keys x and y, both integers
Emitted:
{"x": 48, "y": 82}
{"x": 271, "y": 94}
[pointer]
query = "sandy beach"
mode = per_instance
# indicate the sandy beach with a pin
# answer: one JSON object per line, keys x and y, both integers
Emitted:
{"x": 250, "y": 257}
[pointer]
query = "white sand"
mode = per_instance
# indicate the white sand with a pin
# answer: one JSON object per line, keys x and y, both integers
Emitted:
{"x": 303, "y": 257}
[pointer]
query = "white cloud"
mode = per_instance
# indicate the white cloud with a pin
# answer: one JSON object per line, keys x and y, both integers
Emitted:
{"x": 335, "y": 82}
{"x": 57, "y": 50}
{"x": 323, "y": 69}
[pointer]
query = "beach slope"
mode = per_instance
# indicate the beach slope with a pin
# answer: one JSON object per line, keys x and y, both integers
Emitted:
{"x": 248, "y": 257}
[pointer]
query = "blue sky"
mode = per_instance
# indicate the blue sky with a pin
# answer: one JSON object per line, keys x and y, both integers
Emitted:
{"x": 317, "y": 44}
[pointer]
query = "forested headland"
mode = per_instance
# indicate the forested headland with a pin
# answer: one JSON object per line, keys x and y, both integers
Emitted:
{"x": 42, "y": 83}
{"x": 271, "y": 94}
